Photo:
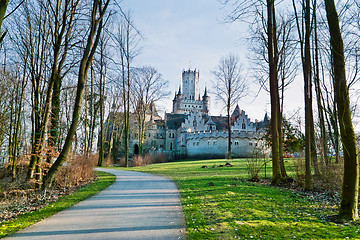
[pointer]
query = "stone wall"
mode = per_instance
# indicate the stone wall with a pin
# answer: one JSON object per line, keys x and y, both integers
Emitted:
{"x": 215, "y": 144}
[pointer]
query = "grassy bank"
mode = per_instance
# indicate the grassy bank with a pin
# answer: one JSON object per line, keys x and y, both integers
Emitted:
{"x": 102, "y": 181}
{"x": 219, "y": 203}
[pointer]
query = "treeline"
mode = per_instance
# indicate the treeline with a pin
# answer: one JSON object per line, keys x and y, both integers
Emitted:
{"x": 320, "y": 41}
{"x": 65, "y": 64}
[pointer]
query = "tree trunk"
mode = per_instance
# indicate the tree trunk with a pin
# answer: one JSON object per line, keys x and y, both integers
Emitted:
{"x": 350, "y": 189}
{"x": 229, "y": 130}
{"x": 274, "y": 95}
{"x": 15, "y": 139}
{"x": 3, "y": 6}
{"x": 319, "y": 99}
{"x": 102, "y": 89}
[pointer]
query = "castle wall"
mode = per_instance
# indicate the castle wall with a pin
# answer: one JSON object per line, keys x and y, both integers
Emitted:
{"x": 215, "y": 144}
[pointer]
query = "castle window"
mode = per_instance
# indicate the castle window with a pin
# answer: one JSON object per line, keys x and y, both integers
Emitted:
{"x": 214, "y": 143}
{"x": 209, "y": 142}
{"x": 171, "y": 146}
{"x": 250, "y": 144}
{"x": 197, "y": 143}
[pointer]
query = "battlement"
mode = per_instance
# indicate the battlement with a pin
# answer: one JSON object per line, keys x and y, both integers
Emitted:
{"x": 197, "y": 135}
{"x": 190, "y": 71}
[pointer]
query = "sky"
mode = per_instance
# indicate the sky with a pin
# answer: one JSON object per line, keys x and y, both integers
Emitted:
{"x": 192, "y": 34}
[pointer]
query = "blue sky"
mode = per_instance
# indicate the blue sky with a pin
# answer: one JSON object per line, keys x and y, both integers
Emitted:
{"x": 192, "y": 34}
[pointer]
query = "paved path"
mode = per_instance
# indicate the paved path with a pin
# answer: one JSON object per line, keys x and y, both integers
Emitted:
{"x": 136, "y": 206}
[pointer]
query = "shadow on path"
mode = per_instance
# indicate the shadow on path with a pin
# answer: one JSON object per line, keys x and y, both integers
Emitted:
{"x": 136, "y": 206}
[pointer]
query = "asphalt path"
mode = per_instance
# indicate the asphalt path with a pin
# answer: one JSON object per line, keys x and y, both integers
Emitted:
{"x": 136, "y": 206}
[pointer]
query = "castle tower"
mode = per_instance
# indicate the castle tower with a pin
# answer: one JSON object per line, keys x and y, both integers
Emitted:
{"x": 189, "y": 99}
{"x": 190, "y": 85}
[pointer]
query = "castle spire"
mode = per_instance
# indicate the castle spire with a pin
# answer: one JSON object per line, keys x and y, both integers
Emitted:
{"x": 179, "y": 90}
{"x": 205, "y": 93}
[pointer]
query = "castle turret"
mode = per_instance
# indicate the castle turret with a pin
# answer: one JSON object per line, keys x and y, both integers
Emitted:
{"x": 206, "y": 102}
{"x": 174, "y": 102}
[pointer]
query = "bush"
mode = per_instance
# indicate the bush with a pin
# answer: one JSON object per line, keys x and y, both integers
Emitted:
{"x": 107, "y": 162}
{"x": 9, "y": 184}
{"x": 299, "y": 165}
{"x": 148, "y": 159}
{"x": 77, "y": 170}
{"x": 331, "y": 176}
{"x": 257, "y": 162}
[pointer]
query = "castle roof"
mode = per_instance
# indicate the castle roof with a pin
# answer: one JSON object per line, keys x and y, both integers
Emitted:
{"x": 210, "y": 122}
{"x": 220, "y": 121}
{"x": 236, "y": 111}
{"x": 174, "y": 120}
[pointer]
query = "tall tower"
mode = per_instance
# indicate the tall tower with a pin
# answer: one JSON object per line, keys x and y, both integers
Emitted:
{"x": 190, "y": 85}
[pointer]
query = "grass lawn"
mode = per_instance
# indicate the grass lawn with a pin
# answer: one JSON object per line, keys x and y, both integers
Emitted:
{"x": 102, "y": 181}
{"x": 219, "y": 203}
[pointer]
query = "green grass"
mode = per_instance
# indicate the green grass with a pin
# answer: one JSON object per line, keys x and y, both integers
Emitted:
{"x": 220, "y": 204}
{"x": 102, "y": 181}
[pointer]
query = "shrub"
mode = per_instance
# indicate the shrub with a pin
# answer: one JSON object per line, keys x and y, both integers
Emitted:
{"x": 331, "y": 176}
{"x": 257, "y": 162}
{"x": 107, "y": 162}
{"x": 148, "y": 159}
{"x": 141, "y": 160}
{"x": 77, "y": 170}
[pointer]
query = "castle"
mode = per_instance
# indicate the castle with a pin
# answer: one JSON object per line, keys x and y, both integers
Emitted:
{"x": 189, "y": 130}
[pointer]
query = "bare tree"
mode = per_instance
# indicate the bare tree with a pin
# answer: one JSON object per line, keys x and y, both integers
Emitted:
{"x": 229, "y": 86}
{"x": 149, "y": 87}
{"x": 350, "y": 190}
{"x": 98, "y": 9}
{"x": 304, "y": 33}
{"x": 263, "y": 13}
{"x": 127, "y": 40}
{"x": 63, "y": 14}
